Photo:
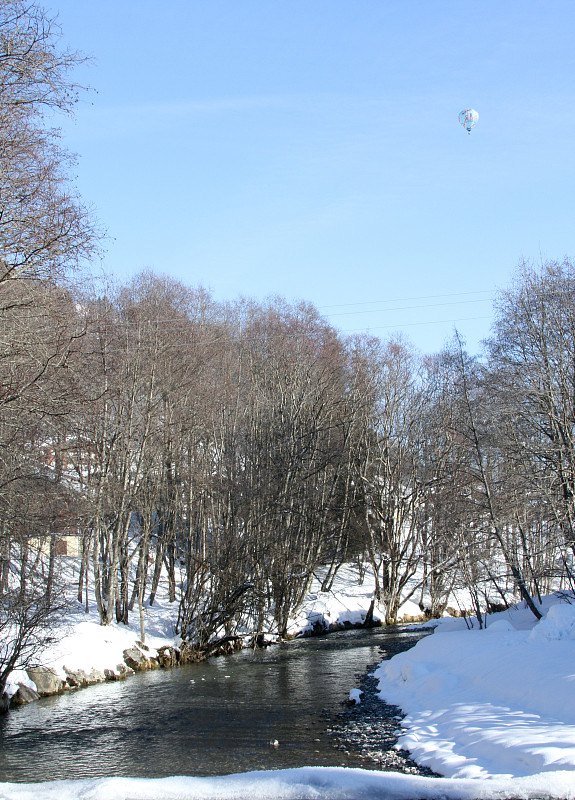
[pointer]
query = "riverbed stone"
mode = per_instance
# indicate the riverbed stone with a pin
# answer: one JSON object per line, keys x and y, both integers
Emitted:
{"x": 23, "y": 694}
{"x": 135, "y": 659}
{"x": 139, "y": 661}
{"x": 153, "y": 659}
{"x": 76, "y": 678}
{"x": 123, "y": 670}
{"x": 95, "y": 676}
{"x": 46, "y": 680}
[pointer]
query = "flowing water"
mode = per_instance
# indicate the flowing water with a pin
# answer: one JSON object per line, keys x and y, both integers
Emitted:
{"x": 213, "y": 718}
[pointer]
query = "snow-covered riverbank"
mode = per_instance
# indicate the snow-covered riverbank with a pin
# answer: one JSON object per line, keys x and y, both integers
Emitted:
{"x": 82, "y": 643}
{"x": 494, "y": 702}
{"x": 492, "y": 710}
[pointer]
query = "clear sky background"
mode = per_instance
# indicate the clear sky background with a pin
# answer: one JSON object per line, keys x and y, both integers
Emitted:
{"x": 311, "y": 149}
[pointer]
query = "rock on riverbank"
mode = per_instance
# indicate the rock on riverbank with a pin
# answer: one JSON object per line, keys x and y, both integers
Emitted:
{"x": 45, "y": 681}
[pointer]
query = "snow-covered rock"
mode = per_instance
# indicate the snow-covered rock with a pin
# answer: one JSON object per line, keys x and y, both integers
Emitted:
{"x": 46, "y": 679}
{"x": 24, "y": 694}
{"x": 558, "y": 624}
{"x": 139, "y": 658}
{"x": 355, "y": 696}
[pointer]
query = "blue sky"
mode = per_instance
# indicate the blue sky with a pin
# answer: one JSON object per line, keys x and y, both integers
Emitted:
{"x": 311, "y": 149}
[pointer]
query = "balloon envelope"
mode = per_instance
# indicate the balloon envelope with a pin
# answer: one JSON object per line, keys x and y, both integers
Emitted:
{"x": 468, "y": 118}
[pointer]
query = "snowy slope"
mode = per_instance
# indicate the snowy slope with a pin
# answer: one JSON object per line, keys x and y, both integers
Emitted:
{"x": 499, "y": 701}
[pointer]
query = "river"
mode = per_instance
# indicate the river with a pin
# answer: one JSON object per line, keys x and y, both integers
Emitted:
{"x": 213, "y": 718}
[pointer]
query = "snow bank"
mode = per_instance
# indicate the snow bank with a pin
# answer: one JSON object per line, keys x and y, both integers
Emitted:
{"x": 82, "y": 643}
{"x": 499, "y": 701}
{"x": 319, "y": 783}
{"x": 558, "y": 624}
{"x": 346, "y": 603}
{"x": 492, "y": 710}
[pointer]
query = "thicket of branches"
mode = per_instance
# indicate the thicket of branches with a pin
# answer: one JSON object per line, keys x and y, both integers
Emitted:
{"x": 244, "y": 448}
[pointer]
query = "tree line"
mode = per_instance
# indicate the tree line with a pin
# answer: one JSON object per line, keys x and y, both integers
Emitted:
{"x": 243, "y": 448}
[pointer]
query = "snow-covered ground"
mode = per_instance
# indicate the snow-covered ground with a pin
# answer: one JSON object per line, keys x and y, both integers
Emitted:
{"x": 347, "y": 602}
{"x": 494, "y": 702}
{"x": 307, "y": 783}
{"x": 82, "y": 643}
{"x": 491, "y": 710}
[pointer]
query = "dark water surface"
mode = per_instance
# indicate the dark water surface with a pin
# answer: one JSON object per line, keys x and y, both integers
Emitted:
{"x": 212, "y": 718}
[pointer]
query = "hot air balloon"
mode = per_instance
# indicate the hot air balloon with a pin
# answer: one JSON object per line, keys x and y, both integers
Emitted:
{"x": 468, "y": 118}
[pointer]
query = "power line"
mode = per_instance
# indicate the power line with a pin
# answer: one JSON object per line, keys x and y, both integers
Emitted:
{"x": 175, "y": 325}
{"x": 243, "y": 339}
{"x": 411, "y": 324}
{"x": 410, "y": 308}
{"x": 406, "y": 299}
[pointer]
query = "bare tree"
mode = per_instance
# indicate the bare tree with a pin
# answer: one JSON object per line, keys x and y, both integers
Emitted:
{"x": 389, "y": 472}
{"x": 44, "y": 226}
{"x": 532, "y": 355}
{"x": 40, "y": 342}
{"x": 445, "y": 487}
{"x": 44, "y": 231}
{"x": 491, "y": 496}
